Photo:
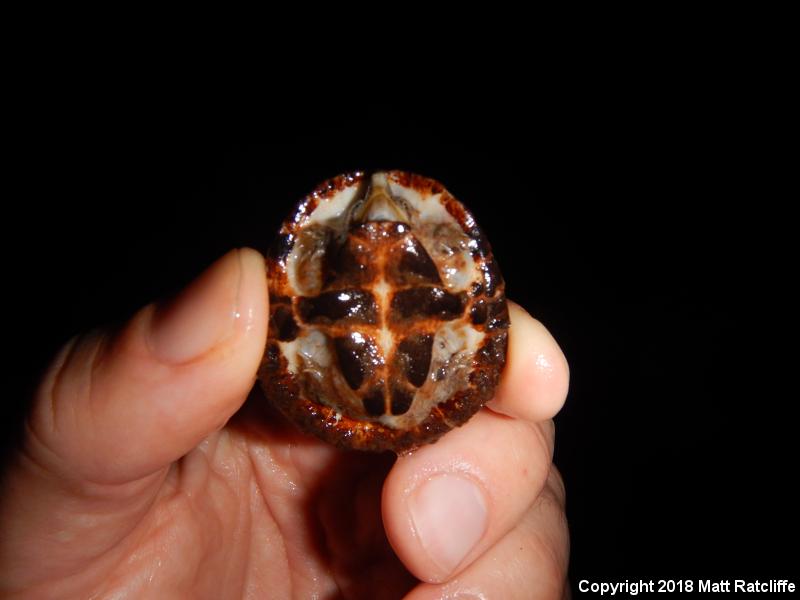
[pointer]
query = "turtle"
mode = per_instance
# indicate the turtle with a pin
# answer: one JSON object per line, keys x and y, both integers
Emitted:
{"x": 388, "y": 322}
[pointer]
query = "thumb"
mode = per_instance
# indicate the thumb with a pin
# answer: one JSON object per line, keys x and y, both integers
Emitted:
{"x": 113, "y": 409}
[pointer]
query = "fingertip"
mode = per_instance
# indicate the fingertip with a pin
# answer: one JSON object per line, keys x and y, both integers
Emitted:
{"x": 535, "y": 382}
{"x": 226, "y": 302}
{"x": 201, "y": 316}
{"x": 254, "y": 275}
{"x": 251, "y": 256}
{"x": 252, "y": 302}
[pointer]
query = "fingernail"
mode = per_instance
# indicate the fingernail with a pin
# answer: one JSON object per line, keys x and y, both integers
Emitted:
{"x": 449, "y": 517}
{"x": 201, "y": 316}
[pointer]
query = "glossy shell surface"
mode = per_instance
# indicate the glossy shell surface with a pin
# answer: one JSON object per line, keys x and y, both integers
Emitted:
{"x": 388, "y": 320}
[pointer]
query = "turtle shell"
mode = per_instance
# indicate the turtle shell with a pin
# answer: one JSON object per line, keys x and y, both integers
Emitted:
{"x": 388, "y": 320}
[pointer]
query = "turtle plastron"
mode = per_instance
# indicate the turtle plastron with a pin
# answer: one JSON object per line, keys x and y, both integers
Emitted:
{"x": 388, "y": 320}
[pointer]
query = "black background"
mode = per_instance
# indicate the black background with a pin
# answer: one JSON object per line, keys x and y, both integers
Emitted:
{"x": 636, "y": 218}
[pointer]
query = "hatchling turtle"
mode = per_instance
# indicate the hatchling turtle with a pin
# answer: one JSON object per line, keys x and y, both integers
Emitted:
{"x": 388, "y": 322}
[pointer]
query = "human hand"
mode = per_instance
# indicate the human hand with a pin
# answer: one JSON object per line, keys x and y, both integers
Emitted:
{"x": 142, "y": 475}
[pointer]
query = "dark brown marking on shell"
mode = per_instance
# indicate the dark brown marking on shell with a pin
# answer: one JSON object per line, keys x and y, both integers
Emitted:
{"x": 374, "y": 402}
{"x": 497, "y": 309}
{"x": 357, "y": 356}
{"x": 351, "y": 265}
{"x": 350, "y": 361}
{"x": 351, "y": 305}
{"x": 425, "y": 302}
{"x": 493, "y": 349}
{"x": 275, "y": 299}
{"x": 478, "y": 312}
{"x": 414, "y": 266}
{"x": 272, "y": 356}
{"x": 401, "y": 400}
{"x": 383, "y": 251}
{"x": 414, "y": 357}
{"x": 282, "y": 324}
